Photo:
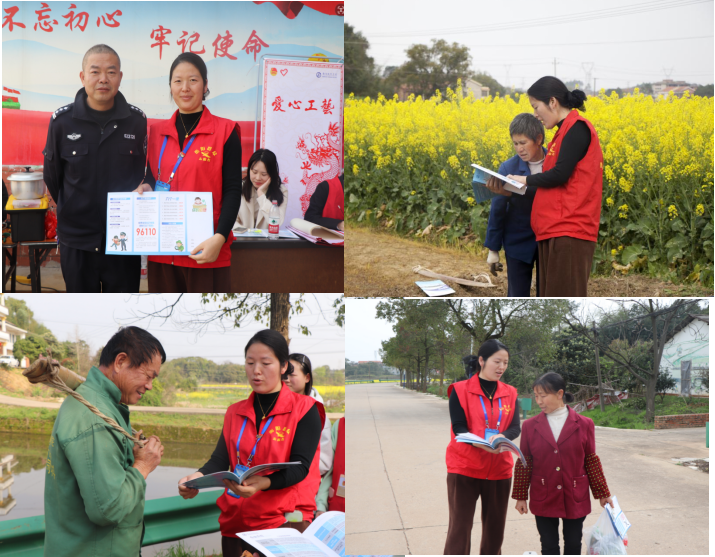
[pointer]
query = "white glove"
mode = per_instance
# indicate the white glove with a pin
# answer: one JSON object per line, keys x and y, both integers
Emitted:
{"x": 493, "y": 262}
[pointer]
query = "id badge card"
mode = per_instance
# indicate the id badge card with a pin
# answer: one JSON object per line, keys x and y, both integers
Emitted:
{"x": 341, "y": 486}
{"x": 491, "y": 433}
{"x": 240, "y": 468}
{"x": 162, "y": 186}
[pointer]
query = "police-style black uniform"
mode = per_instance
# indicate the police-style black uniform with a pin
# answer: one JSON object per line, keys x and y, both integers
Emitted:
{"x": 83, "y": 162}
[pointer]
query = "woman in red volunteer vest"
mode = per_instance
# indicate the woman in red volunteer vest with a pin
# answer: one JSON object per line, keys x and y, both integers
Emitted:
{"x": 327, "y": 204}
{"x": 195, "y": 151}
{"x": 331, "y": 496}
{"x": 485, "y": 406}
{"x": 301, "y": 382}
{"x": 560, "y": 450}
{"x": 273, "y": 425}
{"x": 567, "y": 206}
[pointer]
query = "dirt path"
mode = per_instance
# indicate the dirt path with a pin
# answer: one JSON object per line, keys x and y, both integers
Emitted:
{"x": 13, "y": 401}
{"x": 380, "y": 264}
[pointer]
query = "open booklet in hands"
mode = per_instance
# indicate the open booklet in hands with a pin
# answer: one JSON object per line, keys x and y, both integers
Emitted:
{"x": 497, "y": 443}
{"x": 216, "y": 479}
{"x": 324, "y": 537}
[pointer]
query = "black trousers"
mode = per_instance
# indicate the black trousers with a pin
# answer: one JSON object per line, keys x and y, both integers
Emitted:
{"x": 90, "y": 271}
{"x": 518, "y": 276}
{"x": 549, "y": 531}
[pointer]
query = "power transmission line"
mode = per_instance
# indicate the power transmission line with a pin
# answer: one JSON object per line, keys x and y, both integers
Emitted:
{"x": 557, "y": 20}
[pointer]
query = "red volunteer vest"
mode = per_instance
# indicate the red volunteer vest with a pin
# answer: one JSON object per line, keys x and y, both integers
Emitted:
{"x": 336, "y": 503}
{"x": 335, "y": 205}
{"x": 199, "y": 171}
{"x": 470, "y": 461}
{"x": 308, "y": 488}
{"x": 265, "y": 509}
{"x": 573, "y": 209}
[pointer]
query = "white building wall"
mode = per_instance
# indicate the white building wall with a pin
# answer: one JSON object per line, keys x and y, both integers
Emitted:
{"x": 692, "y": 343}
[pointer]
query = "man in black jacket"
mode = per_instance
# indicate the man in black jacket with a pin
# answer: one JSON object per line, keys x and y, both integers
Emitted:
{"x": 95, "y": 145}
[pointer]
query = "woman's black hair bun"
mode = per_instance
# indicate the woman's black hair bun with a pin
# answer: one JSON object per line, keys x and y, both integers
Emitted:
{"x": 577, "y": 98}
{"x": 568, "y": 397}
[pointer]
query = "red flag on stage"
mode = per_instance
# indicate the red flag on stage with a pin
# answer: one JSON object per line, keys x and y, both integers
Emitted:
{"x": 292, "y": 9}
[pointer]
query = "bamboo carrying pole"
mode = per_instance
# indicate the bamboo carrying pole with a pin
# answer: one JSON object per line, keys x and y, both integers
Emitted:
{"x": 52, "y": 374}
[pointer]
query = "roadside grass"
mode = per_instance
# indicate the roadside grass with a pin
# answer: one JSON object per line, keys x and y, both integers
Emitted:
{"x": 179, "y": 550}
{"x": 629, "y": 414}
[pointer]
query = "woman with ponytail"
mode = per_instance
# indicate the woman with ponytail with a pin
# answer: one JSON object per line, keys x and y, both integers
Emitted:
{"x": 273, "y": 424}
{"x": 560, "y": 450}
{"x": 485, "y": 406}
{"x": 567, "y": 204}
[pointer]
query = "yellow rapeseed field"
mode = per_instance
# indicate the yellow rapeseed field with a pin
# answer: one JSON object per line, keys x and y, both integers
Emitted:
{"x": 409, "y": 169}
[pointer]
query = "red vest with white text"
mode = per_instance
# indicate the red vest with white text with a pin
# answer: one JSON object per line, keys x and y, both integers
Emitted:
{"x": 574, "y": 208}
{"x": 463, "y": 458}
{"x": 200, "y": 171}
{"x": 265, "y": 509}
{"x": 336, "y": 503}
{"x": 335, "y": 204}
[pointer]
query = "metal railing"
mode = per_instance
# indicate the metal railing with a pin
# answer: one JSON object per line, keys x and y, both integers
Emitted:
{"x": 165, "y": 520}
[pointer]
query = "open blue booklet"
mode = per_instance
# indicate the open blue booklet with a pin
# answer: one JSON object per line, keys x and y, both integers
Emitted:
{"x": 216, "y": 479}
{"x": 495, "y": 443}
{"x": 481, "y": 175}
{"x": 325, "y": 537}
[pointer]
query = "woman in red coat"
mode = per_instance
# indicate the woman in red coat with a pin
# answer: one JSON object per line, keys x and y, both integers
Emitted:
{"x": 560, "y": 450}
{"x": 485, "y": 406}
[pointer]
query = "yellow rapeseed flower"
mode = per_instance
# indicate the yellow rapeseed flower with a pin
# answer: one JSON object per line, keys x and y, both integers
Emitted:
{"x": 672, "y": 212}
{"x": 699, "y": 210}
{"x": 356, "y": 169}
{"x": 609, "y": 201}
{"x": 413, "y": 192}
{"x": 613, "y": 252}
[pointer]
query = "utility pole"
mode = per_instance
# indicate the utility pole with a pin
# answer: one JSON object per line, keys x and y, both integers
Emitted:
{"x": 554, "y": 67}
{"x": 598, "y": 367}
{"x": 588, "y": 67}
{"x": 595, "y": 91}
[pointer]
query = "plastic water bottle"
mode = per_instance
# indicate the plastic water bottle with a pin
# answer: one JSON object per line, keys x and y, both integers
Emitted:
{"x": 273, "y": 219}
{"x": 144, "y": 266}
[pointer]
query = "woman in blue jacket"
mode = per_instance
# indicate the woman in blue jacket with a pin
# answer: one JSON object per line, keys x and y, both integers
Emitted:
{"x": 510, "y": 216}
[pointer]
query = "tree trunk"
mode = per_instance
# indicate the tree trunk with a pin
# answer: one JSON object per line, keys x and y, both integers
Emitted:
{"x": 650, "y": 399}
{"x": 441, "y": 377}
{"x": 280, "y": 312}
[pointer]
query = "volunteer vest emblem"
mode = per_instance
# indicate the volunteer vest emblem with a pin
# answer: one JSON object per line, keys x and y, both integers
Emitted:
{"x": 279, "y": 433}
{"x": 506, "y": 408}
{"x": 205, "y": 153}
{"x": 74, "y": 136}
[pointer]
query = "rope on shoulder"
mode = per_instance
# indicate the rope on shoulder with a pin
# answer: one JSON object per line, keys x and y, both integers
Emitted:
{"x": 52, "y": 374}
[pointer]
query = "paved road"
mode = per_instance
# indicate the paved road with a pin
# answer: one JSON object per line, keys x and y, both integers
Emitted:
{"x": 14, "y": 401}
{"x": 396, "y": 457}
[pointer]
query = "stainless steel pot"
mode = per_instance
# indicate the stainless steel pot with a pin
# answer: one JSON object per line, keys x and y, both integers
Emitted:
{"x": 27, "y": 185}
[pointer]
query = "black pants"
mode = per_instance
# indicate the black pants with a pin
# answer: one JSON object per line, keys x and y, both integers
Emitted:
{"x": 518, "y": 276}
{"x": 90, "y": 271}
{"x": 462, "y": 495}
{"x": 549, "y": 531}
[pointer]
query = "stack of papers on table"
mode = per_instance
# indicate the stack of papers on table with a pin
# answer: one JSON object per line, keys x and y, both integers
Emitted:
{"x": 317, "y": 234}
{"x": 260, "y": 233}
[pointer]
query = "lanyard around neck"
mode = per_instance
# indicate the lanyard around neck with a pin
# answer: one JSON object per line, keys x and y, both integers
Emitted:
{"x": 180, "y": 158}
{"x": 258, "y": 438}
{"x": 486, "y": 418}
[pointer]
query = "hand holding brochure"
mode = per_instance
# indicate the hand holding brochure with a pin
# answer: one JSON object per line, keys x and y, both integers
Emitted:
{"x": 619, "y": 520}
{"x": 481, "y": 175}
{"x": 325, "y": 536}
{"x": 216, "y": 479}
{"x": 496, "y": 443}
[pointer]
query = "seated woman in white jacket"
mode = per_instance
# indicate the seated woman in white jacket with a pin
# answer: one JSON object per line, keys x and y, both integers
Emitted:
{"x": 301, "y": 382}
{"x": 261, "y": 186}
